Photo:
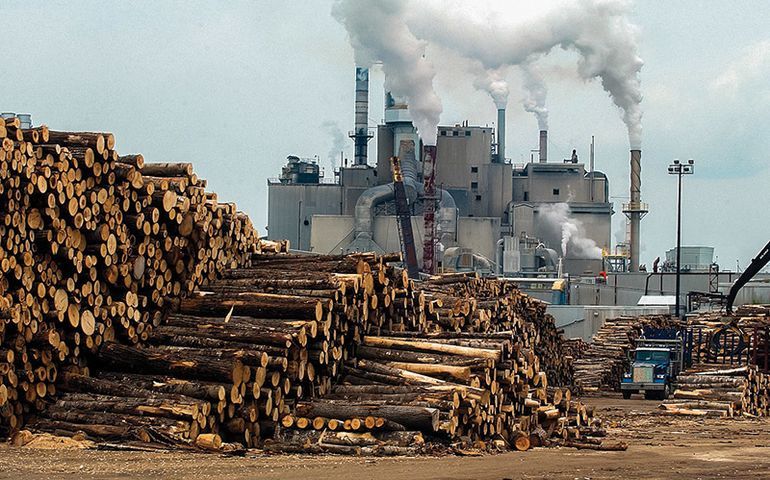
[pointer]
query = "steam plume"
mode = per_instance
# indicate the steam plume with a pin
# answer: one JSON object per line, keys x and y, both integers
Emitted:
{"x": 598, "y": 30}
{"x": 573, "y": 239}
{"x": 493, "y": 82}
{"x": 534, "y": 84}
{"x": 378, "y": 31}
{"x": 338, "y": 140}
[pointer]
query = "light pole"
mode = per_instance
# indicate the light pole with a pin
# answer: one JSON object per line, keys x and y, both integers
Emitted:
{"x": 679, "y": 169}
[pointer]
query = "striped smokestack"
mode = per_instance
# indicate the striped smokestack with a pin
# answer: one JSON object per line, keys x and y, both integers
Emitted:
{"x": 360, "y": 134}
{"x": 635, "y": 210}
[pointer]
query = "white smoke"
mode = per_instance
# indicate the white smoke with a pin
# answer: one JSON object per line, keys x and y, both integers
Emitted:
{"x": 378, "y": 31}
{"x": 493, "y": 82}
{"x": 534, "y": 84}
{"x": 598, "y": 30}
{"x": 573, "y": 240}
{"x": 338, "y": 140}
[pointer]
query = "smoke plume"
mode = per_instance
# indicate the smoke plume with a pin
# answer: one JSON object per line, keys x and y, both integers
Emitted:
{"x": 573, "y": 240}
{"x": 598, "y": 30}
{"x": 378, "y": 31}
{"x": 493, "y": 82}
{"x": 534, "y": 84}
{"x": 338, "y": 140}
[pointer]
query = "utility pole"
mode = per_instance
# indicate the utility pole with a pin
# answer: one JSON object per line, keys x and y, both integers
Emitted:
{"x": 679, "y": 169}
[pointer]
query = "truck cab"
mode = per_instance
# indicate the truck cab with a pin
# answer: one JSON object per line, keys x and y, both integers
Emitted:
{"x": 655, "y": 363}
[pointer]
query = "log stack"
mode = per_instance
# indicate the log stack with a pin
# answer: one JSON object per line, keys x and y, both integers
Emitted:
{"x": 483, "y": 390}
{"x": 92, "y": 245}
{"x": 463, "y": 302}
{"x": 243, "y": 350}
{"x": 723, "y": 392}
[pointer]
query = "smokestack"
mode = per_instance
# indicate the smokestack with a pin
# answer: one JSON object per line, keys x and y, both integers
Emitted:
{"x": 430, "y": 200}
{"x": 361, "y": 135}
{"x": 501, "y": 135}
{"x": 543, "y": 146}
{"x": 635, "y": 209}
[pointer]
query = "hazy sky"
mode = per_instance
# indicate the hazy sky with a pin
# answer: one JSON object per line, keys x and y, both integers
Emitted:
{"x": 236, "y": 86}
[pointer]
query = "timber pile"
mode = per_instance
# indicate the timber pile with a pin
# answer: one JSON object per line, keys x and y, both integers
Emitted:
{"x": 463, "y": 302}
{"x": 602, "y": 365}
{"x": 233, "y": 358}
{"x": 93, "y": 244}
{"x": 575, "y": 347}
{"x": 305, "y": 351}
{"x": 727, "y": 392}
{"x": 481, "y": 390}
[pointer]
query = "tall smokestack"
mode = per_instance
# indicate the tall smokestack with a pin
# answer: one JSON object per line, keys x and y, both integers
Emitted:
{"x": 543, "y": 146}
{"x": 635, "y": 210}
{"x": 501, "y": 135}
{"x": 361, "y": 135}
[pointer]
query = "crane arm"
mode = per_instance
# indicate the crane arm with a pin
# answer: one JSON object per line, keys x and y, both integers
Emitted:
{"x": 757, "y": 264}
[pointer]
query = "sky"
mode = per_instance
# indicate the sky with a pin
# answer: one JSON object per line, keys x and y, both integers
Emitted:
{"x": 236, "y": 86}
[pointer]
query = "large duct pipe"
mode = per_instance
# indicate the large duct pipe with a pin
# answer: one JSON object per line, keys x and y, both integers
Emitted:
{"x": 501, "y": 135}
{"x": 635, "y": 211}
{"x": 363, "y": 223}
{"x": 543, "y": 146}
{"x": 361, "y": 133}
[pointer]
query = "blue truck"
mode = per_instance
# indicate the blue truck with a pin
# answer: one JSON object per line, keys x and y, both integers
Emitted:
{"x": 655, "y": 362}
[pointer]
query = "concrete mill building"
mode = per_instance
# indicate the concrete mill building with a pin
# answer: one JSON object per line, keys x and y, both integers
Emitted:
{"x": 492, "y": 216}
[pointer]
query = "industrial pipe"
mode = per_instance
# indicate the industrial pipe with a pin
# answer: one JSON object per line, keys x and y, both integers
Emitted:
{"x": 501, "y": 135}
{"x": 543, "y": 146}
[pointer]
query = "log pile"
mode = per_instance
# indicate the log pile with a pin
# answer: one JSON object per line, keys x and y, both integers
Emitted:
{"x": 93, "y": 242}
{"x": 726, "y": 392}
{"x": 233, "y": 358}
{"x": 482, "y": 390}
{"x": 602, "y": 364}
{"x": 463, "y": 302}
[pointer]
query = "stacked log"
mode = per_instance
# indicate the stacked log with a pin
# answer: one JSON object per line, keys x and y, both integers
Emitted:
{"x": 92, "y": 244}
{"x": 724, "y": 392}
{"x": 249, "y": 346}
{"x": 606, "y": 359}
{"x": 463, "y": 302}
{"x": 484, "y": 389}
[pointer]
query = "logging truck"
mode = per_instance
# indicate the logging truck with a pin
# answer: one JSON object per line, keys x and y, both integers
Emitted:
{"x": 656, "y": 360}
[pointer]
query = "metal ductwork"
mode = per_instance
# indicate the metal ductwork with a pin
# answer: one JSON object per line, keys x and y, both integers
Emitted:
{"x": 363, "y": 223}
{"x": 543, "y": 146}
{"x": 363, "y": 226}
{"x": 360, "y": 134}
{"x": 501, "y": 135}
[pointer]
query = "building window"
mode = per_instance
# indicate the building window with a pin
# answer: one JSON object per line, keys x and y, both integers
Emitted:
{"x": 474, "y": 185}
{"x": 478, "y": 197}
{"x": 555, "y": 191}
{"x": 455, "y": 133}
{"x": 467, "y": 133}
{"x": 526, "y": 196}
{"x": 443, "y": 133}
{"x": 474, "y": 169}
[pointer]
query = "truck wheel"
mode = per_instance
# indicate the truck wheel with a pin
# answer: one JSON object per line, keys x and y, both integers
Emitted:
{"x": 650, "y": 395}
{"x": 626, "y": 394}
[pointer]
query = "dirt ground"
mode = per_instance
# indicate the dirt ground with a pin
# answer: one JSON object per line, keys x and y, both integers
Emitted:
{"x": 661, "y": 447}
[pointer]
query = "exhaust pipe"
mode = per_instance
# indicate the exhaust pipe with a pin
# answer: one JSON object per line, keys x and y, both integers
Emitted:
{"x": 501, "y": 135}
{"x": 543, "y": 146}
{"x": 635, "y": 210}
{"x": 360, "y": 134}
